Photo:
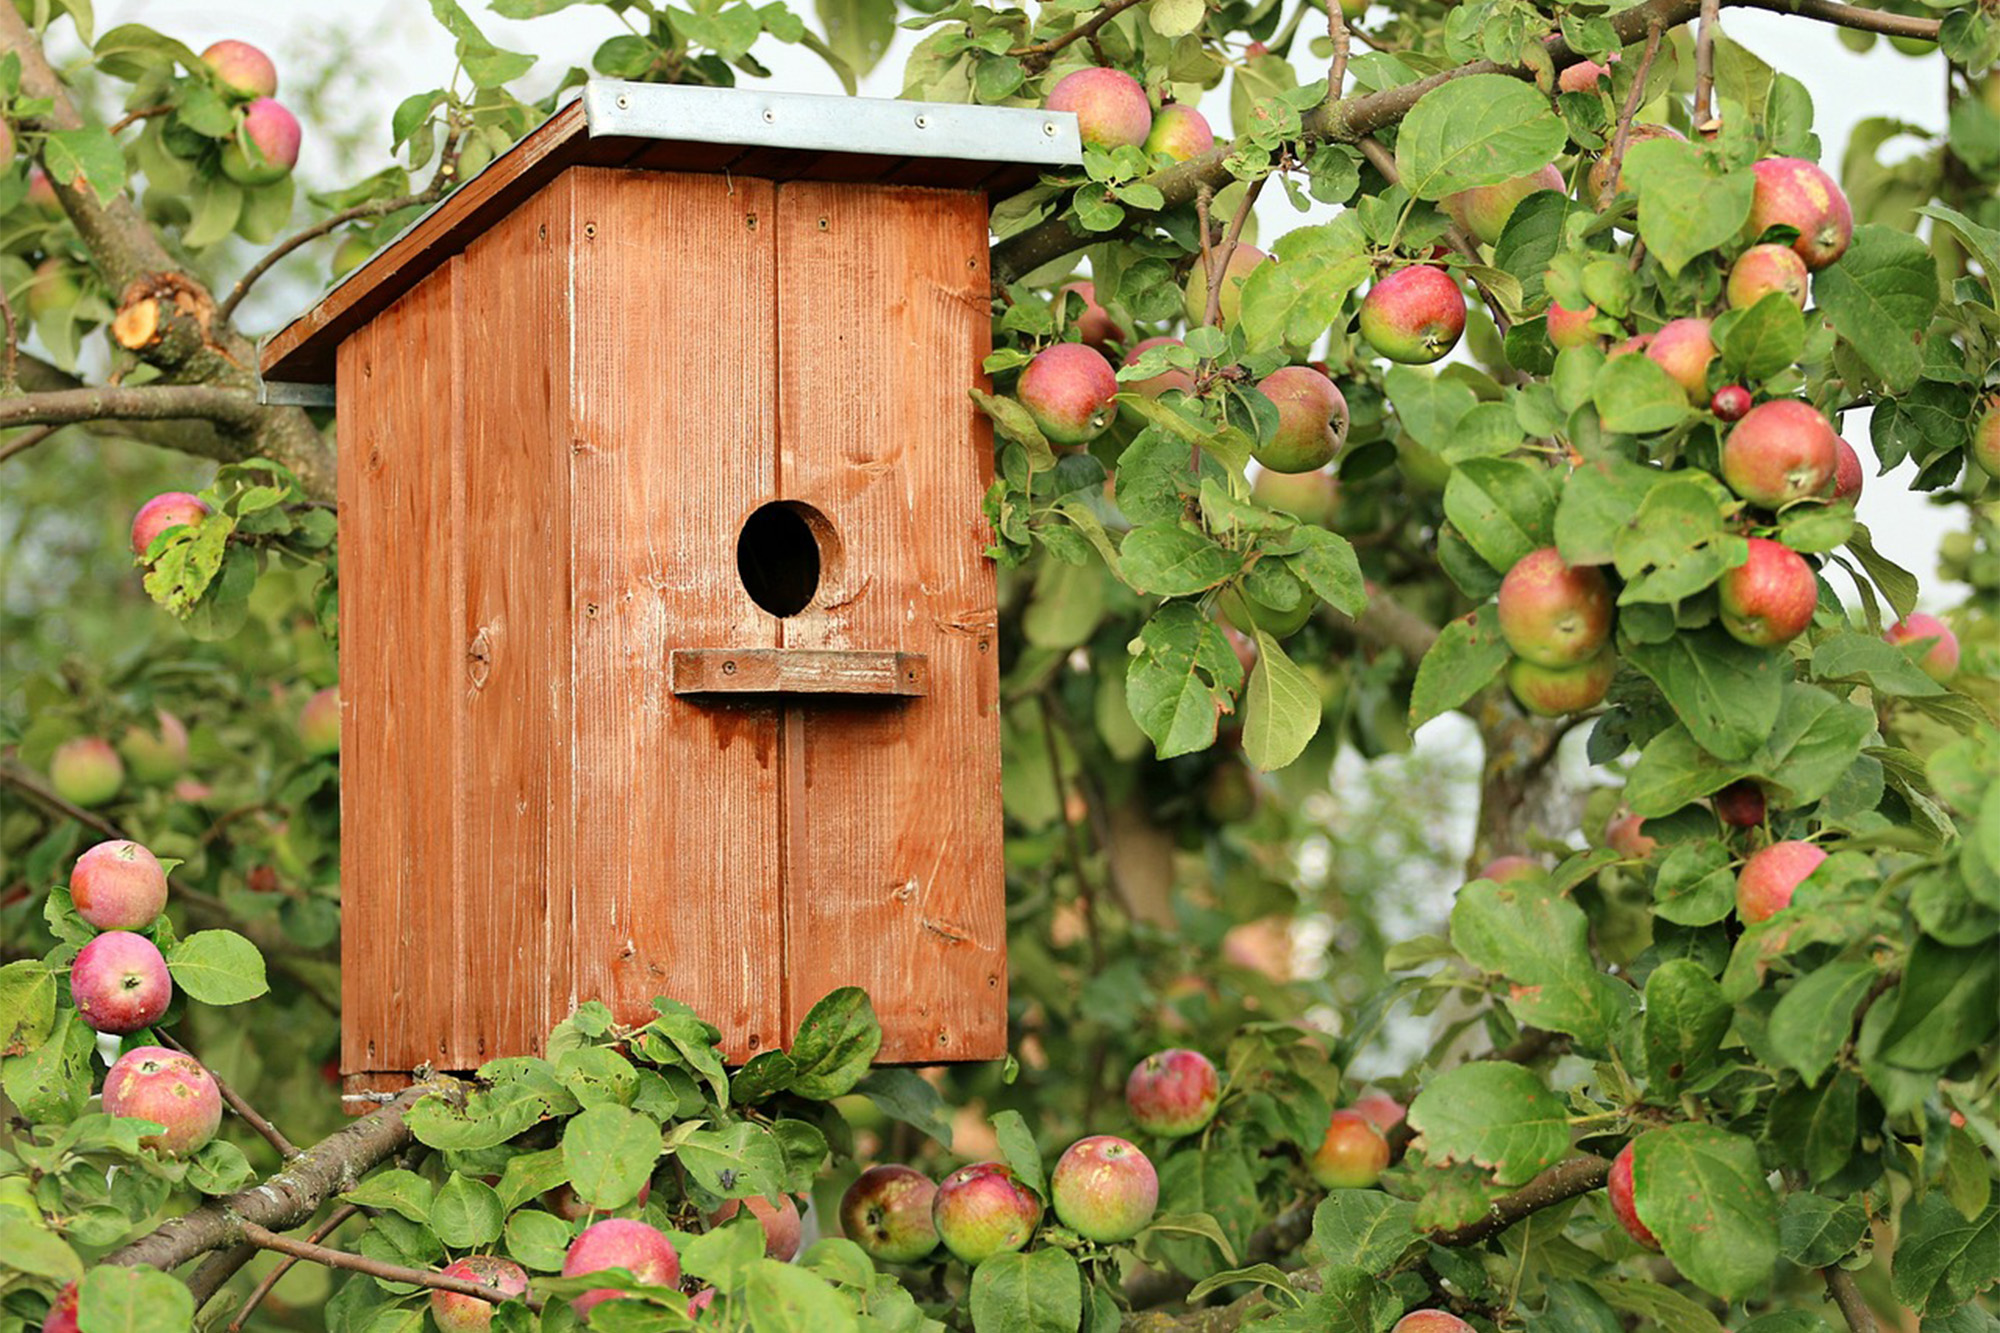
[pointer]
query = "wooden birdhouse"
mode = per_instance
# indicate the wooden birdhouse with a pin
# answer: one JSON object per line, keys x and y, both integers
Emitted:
{"x": 668, "y": 659}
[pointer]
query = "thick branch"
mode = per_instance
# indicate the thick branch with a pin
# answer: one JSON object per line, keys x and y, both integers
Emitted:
{"x": 266, "y": 1239}
{"x": 289, "y": 1198}
{"x": 1847, "y": 1295}
{"x": 1563, "y": 1181}
{"x": 150, "y": 402}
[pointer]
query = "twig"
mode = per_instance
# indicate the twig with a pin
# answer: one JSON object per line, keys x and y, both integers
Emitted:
{"x": 149, "y": 402}
{"x": 1218, "y": 263}
{"x": 13, "y": 365}
{"x": 262, "y": 1289}
{"x": 1036, "y": 57}
{"x": 360, "y": 1263}
{"x": 1461, "y": 244}
{"x": 1336, "y": 32}
{"x": 1564, "y": 1180}
{"x": 1853, "y": 1306}
{"x": 269, "y": 1132}
{"x": 1705, "y": 121}
{"x": 1203, "y": 198}
{"x": 31, "y": 787}
{"x": 1633, "y": 100}
{"x": 131, "y": 118}
{"x": 26, "y": 440}
{"x": 1086, "y": 891}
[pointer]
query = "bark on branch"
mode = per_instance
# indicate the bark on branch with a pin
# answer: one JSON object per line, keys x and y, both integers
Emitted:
{"x": 265, "y": 1239}
{"x": 1561, "y": 1182}
{"x": 151, "y": 402}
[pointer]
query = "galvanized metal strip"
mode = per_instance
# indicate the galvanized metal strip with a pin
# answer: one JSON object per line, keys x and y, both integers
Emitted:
{"x": 283, "y": 393}
{"x": 823, "y": 123}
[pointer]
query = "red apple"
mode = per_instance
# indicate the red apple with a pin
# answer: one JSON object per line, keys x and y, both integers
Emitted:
{"x": 781, "y": 1223}
{"x": 1769, "y": 599}
{"x": 1623, "y": 1206}
{"x": 620, "y": 1242}
{"x": 61, "y": 1317}
{"x": 1243, "y": 261}
{"x": 1765, "y": 885}
{"x": 1173, "y": 1093}
{"x": 120, "y": 983}
{"x": 1763, "y": 269}
{"x": 1312, "y": 420}
{"x": 1571, "y": 328}
{"x": 1600, "y": 170}
{"x": 457, "y": 1313}
{"x": 1731, "y": 402}
{"x": 1352, "y": 1155}
{"x": 1413, "y": 315}
{"x": 1509, "y": 869}
{"x": 1179, "y": 132}
{"x": 887, "y": 1212}
{"x": 1095, "y": 325}
{"x": 1847, "y": 478}
{"x": 1435, "y": 1321}
{"x": 1740, "y": 804}
{"x": 699, "y": 1302}
{"x": 1940, "y": 660}
{"x": 319, "y": 722}
{"x": 1792, "y": 192}
{"x": 1155, "y": 385}
{"x": 1553, "y": 613}
{"x": 174, "y": 509}
{"x": 243, "y": 71}
{"x": 1548, "y": 691}
{"x": 1684, "y": 349}
{"x": 157, "y": 756}
{"x": 1104, "y": 1189}
{"x": 171, "y": 1090}
{"x": 86, "y": 771}
{"x": 1380, "y": 1109}
{"x": 1110, "y": 106}
{"x": 1780, "y": 452}
{"x": 1310, "y": 497}
{"x": 272, "y": 134}
{"x": 1626, "y": 835}
{"x": 1069, "y": 390}
{"x": 118, "y": 886}
{"x": 42, "y": 193}
{"x": 1585, "y": 75}
{"x": 1483, "y": 210}
{"x": 981, "y": 1210}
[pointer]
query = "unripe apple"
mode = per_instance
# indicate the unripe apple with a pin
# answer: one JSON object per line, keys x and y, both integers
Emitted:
{"x": 458, "y": 1313}
{"x": 1985, "y": 448}
{"x": 120, "y": 983}
{"x": 1173, "y": 1093}
{"x": 781, "y": 1223}
{"x": 1095, "y": 325}
{"x": 1683, "y": 348}
{"x": 172, "y": 509}
{"x": 1433, "y": 1321}
{"x": 42, "y": 193}
{"x": 1940, "y": 660}
{"x": 51, "y": 287}
{"x": 1248, "y": 615}
{"x": 1069, "y": 390}
{"x": 118, "y": 886}
{"x": 1740, "y": 804}
{"x": 887, "y": 1212}
{"x": 1769, "y": 599}
{"x": 620, "y": 1242}
{"x": 156, "y": 756}
{"x": 61, "y": 1317}
{"x": 981, "y": 1210}
{"x": 1781, "y": 451}
{"x": 319, "y": 722}
{"x": 1484, "y": 209}
{"x": 1510, "y": 869}
{"x": 1312, "y": 420}
{"x": 1553, "y": 613}
{"x": 1765, "y": 885}
{"x": 1243, "y": 261}
{"x": 1847, "y": 478}
{"x": 1104, "y": 1189}
{"x": 1731, "y": 402}
{"x": 1626, "y": 835}
{"x": 1155, "y": 385}
{"x": 1310, "y": 497}
{"x": 1179, "y": 132}
{"x": 171, "y": 1090}
{"x": 1111, "y": 108}
{"x": 1623, "y": 1206}
{"x": 1548, "y": 691}
{"x": 243, "y": 71}
{"x": 1414, "y": 315}
{"x": 1585, "y": 75}
{"x": 1571, "y": 328}
{"x": 273, "y": 135}
{"x": 1763, "y": 269}
{"x": 86, "y": 771}
{"x": 1380, "y": 1110}
{"x": 563, "y": 1200}
{"x": 1792, "y": 192}
{"x": 1352, "y": 1155}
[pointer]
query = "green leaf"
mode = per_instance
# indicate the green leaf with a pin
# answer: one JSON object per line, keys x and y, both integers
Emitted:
{"x": 1863, "y": 659}
{"x": 1634, "y": 395}
{"x": 725, "y": 1255}
{"x": 1816, "y": 1128}
{"x": 1599, "y": 502}
{"x": 1183, "y": 675}
{"x": 1687, "y": 206}
{"x": 1880, "y": 297}
{"x": 52, "y": 1081}
{"x": 218, "y": 967}
{"x": 466, "y": 1213}
{"x": 394, "y": 1190}
{"x": 1701, "y": 1191}
{"x": 1175, "y": 18}
{"x": 1364, "y": 1229}
{"x": 485, "y": 64}
{"x": 1727, "y": 694}
{"x": 33, "y": 1249}
{"x": 835, "y": 1045}
{"x": 609, "y": 1152}
{"x": 1503, "y": 507}
{"x": 1764, "y": 339}
{"x": 904, "y": 1095}
{"x": 736, "y": 1161}
{"x": 1325, "y": 562}
{"x": 1898, "y": 585}
{"x": 1686, "y": 1019}
{"x": 1017, "y": 1148}
{"x": 1655, "y": 1304}
{"x": 1469, "y": 655}
{"x": 1494, "y": 1114}
{"x": 1037, "y": 1292}
{"x": 1677, "y": 544}
{"x": 1539, "y": 941}
{"x": 1696, "y": 883}
{"x": 1812, "y": 1020}
{"x": 1262, "y": 1275}
{"x": 1479, "y": 130}
{"x": 1947, "y": 1005}
{"x": 538, "y": 1240}
{"x": 1428, "y": 406}
{"x": 27, "y": 1005}
{"x": 1942, "y": 1259}
{"x": 1172, "y": 559}
{"x": 858, "y": 31}
{"x": 1815, "y": 1231}
{"x": 784, "y": 1298}
{"x": 219, "y": 1168}
{"x": 1281, "y": 708}
{"x": 87, "y": 157}
{"x": 132, "y": 1300}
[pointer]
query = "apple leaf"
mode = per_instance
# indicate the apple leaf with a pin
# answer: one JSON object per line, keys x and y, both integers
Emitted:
{"x": 218, "y": 967}
{"x": 1479, "y": 130}
{"x": 1038, "y": 1292}
{"x": 1494, "y": 1114}
{"x": 1702, "y": 1192}
{"x": 1880, "y": 297}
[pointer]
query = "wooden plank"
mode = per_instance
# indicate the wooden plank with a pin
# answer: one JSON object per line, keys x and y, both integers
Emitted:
{"x": 512, "y": 678}
{"x": 303, "y": 350}
{"x": 400, "y": 668}
{"x": 676, "y": 803}
{"x": 892, "y": 816}
{"x": 802, "y": 671}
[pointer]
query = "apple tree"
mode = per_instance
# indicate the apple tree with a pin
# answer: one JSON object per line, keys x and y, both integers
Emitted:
{"x": 1543, "y": 418}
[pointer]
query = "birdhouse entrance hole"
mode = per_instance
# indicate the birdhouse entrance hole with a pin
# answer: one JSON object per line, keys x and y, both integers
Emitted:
{"x": 782, "y": 554}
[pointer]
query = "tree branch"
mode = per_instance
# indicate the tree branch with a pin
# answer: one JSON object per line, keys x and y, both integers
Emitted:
{"x": 1387, "y": 623}
{"x": 1634, "y": 98}
{"x": 1704, "y": 67}
{"x": 1218, "y": 263}
{"x": 21, "y": 780}
{"x": 1036, "y": 57}
{"x": 1561, "y": 1182}
{"x": 290, "y": 1197}
{"x": 1461, "y": 244}
{"x": 374, "y": 208}
{"x": 333, "y": 1223}
{"x": 265, "y": 1239}
{"x": 148, "y": 402}
{"x": 1336, "y": 33}
{"x": 1847, "y": 1295}
{"x": 25, "y": 441}
{"x": 269, "y": 1132}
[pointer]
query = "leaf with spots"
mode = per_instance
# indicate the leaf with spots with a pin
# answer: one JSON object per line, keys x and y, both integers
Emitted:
{"x": 1494, "y": 1114}
{"x": 1702, "y": 1191}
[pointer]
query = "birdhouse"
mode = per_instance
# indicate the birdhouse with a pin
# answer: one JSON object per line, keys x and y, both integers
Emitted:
{"x": 668, "y": 658}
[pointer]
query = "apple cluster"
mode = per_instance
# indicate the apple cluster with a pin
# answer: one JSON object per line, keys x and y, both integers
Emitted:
{"x": 265, "y": 146}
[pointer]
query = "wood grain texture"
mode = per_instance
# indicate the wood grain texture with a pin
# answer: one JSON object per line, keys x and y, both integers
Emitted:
{"x": 399, "y": 667}
{"x": 803, "y": 671}
{"x": 676, "y": 800}
{"x": 893, "y": 879}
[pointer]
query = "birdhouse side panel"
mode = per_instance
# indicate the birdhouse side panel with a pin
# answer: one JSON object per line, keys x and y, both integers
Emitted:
{"x": 673, "y": 445}
{"x": 401, "y": 673}
{"x": 894, "y": 879}
{"x": 512, "y": 680}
